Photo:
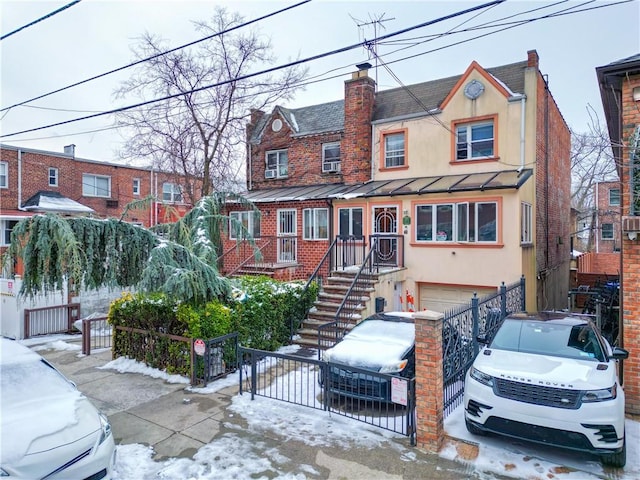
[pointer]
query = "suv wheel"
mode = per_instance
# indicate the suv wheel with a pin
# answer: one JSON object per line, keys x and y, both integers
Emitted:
{"x": 617, "y": 460}
{"x": 471, "y": 427}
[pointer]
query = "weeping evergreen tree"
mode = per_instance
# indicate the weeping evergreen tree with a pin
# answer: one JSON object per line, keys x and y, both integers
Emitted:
{"x": 178, "y": 259}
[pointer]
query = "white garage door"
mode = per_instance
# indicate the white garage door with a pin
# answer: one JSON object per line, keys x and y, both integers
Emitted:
{"x": 443, "y": 298}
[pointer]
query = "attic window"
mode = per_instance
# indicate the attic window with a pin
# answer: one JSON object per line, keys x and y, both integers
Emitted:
{"x": 276, "y": 125}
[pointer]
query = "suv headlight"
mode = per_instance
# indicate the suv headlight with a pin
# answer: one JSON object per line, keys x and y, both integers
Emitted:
{"x": 105, "y": 426}
{"x": 481, "y": 377}
{"x": 395, "y": 367}
{"x": 600, "y": 395}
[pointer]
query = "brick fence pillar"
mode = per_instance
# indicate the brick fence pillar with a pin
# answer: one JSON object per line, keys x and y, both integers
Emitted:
{"x": 429, "y": 381}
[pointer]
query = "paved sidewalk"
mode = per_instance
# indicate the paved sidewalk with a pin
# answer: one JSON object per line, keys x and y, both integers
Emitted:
{"x": 177, "y": 423}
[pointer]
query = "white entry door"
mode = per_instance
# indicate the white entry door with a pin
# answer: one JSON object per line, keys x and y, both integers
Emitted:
{"x": 287, "y": 236}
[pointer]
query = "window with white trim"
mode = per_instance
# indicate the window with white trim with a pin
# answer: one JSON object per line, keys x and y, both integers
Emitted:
{"x": 250, "y": 220}
{"x": 96, "y": 185}
{"x": 607, "y": 231}
{"x": 614, "y": 197}
{"x": 315, "y": 223}
{"x": 474, "y": 140}
{"x": 331, "y": 157}
{"x": 277, "y": 164}
{"x": 4, "y": 175}
{"x": 171, "y": 192}
{"x": 136, "y": 186}
{"x": 461, "y": 222}
{"x": 394, "y": 150}
{"x": 53, "y": 177}
{"x": 526, "y": 223}
{"x": 350, "y": 222}
{"x": 7, "y": 227}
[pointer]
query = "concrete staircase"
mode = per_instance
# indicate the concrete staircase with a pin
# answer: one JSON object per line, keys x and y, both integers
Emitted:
{"x": 332, "y": 292}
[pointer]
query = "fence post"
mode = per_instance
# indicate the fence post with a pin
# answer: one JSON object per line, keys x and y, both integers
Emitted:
{"x": 254, "y": 374}
{"x": 429, "y": 380}
{"x": 503, "y": 300}
{"x": 86, "y": 337}
{"x": 475, "y": 317}
{"x": 523, "y": 294}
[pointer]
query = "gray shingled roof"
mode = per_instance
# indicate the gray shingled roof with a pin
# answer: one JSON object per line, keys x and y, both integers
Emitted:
{"x": 398, "y": 102}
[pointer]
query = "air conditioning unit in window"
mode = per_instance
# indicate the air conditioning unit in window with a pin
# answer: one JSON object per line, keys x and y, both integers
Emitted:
{"x": 270, "y": 174}
{"x": 331, "y": 167}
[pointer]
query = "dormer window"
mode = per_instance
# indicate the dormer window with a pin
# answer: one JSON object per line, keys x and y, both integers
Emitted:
{"x": 277, "y": 164}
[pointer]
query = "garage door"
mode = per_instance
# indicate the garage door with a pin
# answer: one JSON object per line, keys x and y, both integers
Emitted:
{"x": 442, "y": 298}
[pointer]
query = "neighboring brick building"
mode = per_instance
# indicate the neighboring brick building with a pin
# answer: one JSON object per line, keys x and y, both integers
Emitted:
{"x": 620, "y": 91}
{"x": 466, "y": 179}
{"x": 605, "y": 224}
{"x": 36, "y": 181}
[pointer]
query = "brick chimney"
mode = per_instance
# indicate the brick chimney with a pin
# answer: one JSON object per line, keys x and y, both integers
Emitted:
{"x": 532, "y": 58}
{"x": 359, "y": 98}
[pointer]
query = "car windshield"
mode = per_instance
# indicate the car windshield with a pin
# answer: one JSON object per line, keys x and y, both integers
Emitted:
{"x": 549, "y": 338}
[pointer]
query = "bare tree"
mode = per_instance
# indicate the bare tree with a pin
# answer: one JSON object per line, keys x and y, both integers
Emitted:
{"x": 200, "y": 134}
{"x": 592, "y": 161}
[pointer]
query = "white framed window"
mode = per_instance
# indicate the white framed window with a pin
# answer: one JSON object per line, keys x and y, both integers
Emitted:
{"x": 4, "y": 175}
{"x": 250, "y": 221}
{"x": 315, "y": 223}
{"x": 136, "y": 186}
{"x": 526, "y": 223}
{"x": 53, "y": 177}
{"x": 331, "y": 157}
{"x": 607, "y": 231}
{"x": 7, "y": 227}
{"x": 614, "y": 197}
{"x": 461, "y": 222}
{"x": 394, "y": 149}
{"x": 96, "y": 185}
{"x": 277, "y": 164}
{"x": 350, "y": 221}
{"x": 171, "y": 192}
{"x": 474, "y": 140}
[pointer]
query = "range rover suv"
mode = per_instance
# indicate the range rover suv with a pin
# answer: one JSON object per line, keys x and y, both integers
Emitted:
{"x": 549, "y": 378}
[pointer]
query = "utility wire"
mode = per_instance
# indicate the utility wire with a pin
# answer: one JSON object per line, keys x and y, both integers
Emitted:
{"x": 40, "y": 19}
{"x": 262, "y": 72}
{"x": 217, "y": 34}
{"x": 429, "y": 38}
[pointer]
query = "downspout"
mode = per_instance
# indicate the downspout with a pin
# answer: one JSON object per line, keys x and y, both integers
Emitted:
{"x": 373, "y": 152}
{"x": 597, "y": 212}
{"x": 153, "y": 204}
{"x": 20, "y": 180}
{"x": 523, "y": 101}
{"x": 546, "y": 169}
{"x": 250, "y": 185}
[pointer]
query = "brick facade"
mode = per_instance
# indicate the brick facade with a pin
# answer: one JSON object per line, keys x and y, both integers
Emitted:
{"x": 606, "y": 215}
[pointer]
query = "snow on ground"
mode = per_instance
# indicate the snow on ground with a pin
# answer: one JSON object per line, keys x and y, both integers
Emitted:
{"x": 318, "y": 428}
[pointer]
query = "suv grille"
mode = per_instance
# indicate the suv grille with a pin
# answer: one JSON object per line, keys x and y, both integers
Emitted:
{"x": 537, "y": 394}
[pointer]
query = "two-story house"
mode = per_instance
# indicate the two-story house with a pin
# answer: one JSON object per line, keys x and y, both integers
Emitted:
{"x": 620, "y": 92}
{"x": 36, "y": 181}
{"x": 461, "y": 183}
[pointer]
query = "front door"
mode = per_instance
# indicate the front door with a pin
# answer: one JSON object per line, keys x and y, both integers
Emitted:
{"x": 287, "y": 239}
{"x": 385, "y": 227}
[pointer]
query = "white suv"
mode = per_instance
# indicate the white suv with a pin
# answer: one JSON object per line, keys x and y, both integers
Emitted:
{"x": 549, "y": 378}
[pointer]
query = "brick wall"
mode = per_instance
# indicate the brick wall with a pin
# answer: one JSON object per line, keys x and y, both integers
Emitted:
{"x": 631, "y": 257}
{"x": 607, "y": 214}
{"x": 35, "y": 178}
{"x": 553, "y": 198}
{"x": 359, "y": 99}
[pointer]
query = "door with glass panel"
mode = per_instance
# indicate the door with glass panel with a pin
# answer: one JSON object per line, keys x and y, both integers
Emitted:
{"x": 287, "y": 236}
{"x": 385, "y": 228}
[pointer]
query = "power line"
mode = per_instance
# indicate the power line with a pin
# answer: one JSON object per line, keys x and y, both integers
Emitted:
{"x": 262, "y": 72}
{"x": 40, "y": 19}
{"x": 217, "y": 34}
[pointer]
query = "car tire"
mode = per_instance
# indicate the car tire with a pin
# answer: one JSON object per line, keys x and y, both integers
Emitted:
{"x": 617, "y": 460}
{"x": 471, "y": 427}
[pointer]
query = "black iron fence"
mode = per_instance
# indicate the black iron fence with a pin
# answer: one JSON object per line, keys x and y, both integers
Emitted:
{"x": 378, "y": 399}
{"x": 461, "y": 328}
{"x": 214, "y": 358}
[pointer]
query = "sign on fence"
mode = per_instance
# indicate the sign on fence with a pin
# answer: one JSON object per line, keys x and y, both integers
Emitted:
{"x": 399, "y": 388}
{"x": 198, "y": 347}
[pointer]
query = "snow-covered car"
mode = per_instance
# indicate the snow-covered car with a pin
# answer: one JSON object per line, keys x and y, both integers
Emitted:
{"x": 48, "y": 429}
{"x": 382, "y": 343}
{"x": 549, "y": 378}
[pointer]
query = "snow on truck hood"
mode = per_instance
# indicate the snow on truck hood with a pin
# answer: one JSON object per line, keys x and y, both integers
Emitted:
{"x": 373, "y": 344}
{"x": 545, "y": 370}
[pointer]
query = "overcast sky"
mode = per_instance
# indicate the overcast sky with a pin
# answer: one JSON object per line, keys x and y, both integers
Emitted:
{"x": 92, "y": 37}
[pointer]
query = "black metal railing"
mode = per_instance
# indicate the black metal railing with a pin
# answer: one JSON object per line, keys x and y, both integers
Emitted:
{"x": 379, "y": 399}
{"x": 219, "y": 358}
{"x": 461, "y": 328}
{"x": 96, "y": 334}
